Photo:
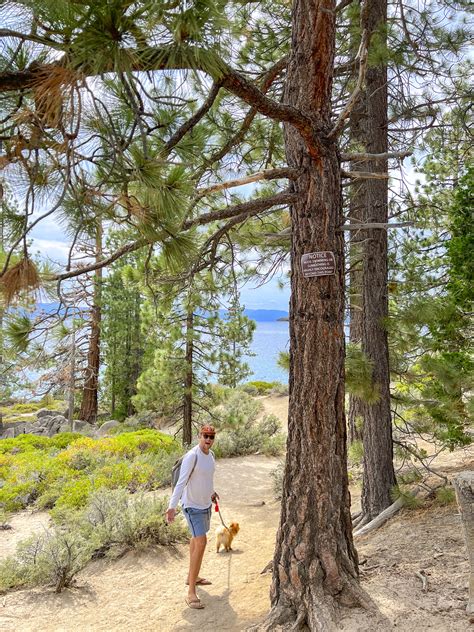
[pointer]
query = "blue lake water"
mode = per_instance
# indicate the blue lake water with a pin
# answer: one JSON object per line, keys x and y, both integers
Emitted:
{"x": 269, "y": 339}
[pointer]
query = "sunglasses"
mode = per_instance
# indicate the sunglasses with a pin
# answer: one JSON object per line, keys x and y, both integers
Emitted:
{"x": 208, "y": 436}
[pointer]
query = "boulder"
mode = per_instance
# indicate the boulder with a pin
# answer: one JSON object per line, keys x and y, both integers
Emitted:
{"x": 45, "y": 412}
{"x": 80, "y": 425}
{"x": 107, "y": 427}
{"x": 54, "y": 422}
{"x": 9, "y": 433}
{"x": 21, "y": 428}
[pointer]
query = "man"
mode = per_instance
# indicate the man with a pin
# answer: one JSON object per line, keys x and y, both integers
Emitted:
{"x": 195, "y": 488}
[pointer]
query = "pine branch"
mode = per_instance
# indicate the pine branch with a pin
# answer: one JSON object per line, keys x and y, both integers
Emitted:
{"x": 246, "y": 209}
{"x": 375, "y": 225}
{"x": 362, "y": 57}
{"x": 268, "y": 174}
{"x": 266, "y": 83}
{"x": 364, "y": 175}
{"x": 173, "y": 58}
{"x": 194, "y": 120}
{"x": 240, "y": 211}
{"x": 363, "y": 157}
{"x": 46, "y": 41}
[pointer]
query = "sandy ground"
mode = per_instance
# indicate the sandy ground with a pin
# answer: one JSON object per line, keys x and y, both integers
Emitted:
{"x": 145, "y": 591}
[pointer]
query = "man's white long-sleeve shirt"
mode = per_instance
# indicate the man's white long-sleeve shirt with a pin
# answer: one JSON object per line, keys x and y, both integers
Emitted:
{"x": 195, "y": 490}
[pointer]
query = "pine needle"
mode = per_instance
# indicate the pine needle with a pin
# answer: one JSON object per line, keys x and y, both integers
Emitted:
{"x": 22, "y": 276}
{"x": 49, "y": 92}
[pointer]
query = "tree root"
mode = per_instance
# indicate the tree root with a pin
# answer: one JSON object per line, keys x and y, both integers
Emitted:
{"x": 279, "y": 618}
{"x": 360, "y": 520}
{"x": 365, "y": 527}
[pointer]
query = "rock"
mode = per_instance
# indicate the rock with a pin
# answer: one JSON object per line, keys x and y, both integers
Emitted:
{"x": 9, "y": 424}
{"x": 9, "y": 433}
{"x": 54, "y": 422}
{"x": 21, "y": 428}
{"x": 107, "y": 427}
{"x": 80, "y": 425}
{"x": 45, "y": 412}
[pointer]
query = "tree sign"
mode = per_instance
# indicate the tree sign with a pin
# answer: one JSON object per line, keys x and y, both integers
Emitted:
{"x": 316, "y": 264}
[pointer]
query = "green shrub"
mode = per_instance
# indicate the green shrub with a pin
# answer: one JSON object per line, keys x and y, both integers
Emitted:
{"x": 4, "y": 520}
{"x": 355, "y": 453}
{"x": 410, "y": 501}
{"x": 64, "y": 470}
{"x": 445, "y": 495}
{"x": 263, "y": 388}
{"x": 75, "y": 493}
{"x": 118, "y": 520}
{"x": 250, "y": 389}
{"x": 159, "y": 466}
{"x": 11, "y": 574}
{"x": 251, "y": 440}
{"x": 270, "y": 425}
{"x": 238, "y": 411}
{"x": 280, "y": 389}
{"x": 277, "y": 475}
{"x": 112, "y": 522}
{"x": 274, "y": 445}
{"x": 17, "y": 496}
{"x": 53, "y": 558}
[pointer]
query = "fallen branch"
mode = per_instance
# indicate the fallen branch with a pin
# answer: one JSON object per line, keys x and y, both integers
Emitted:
{"x": 382, "y": 518}
{"x": 424, "y": 580}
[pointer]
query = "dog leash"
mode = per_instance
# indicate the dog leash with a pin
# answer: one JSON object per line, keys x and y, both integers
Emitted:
{"x": 220, "y": 515}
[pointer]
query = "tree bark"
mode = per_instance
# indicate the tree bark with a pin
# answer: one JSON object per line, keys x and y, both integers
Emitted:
{"x": 188, "y": 380}
{"x": 357, "y": 206}
{"x": 464, "y": 486}
{"x": 89, "y": 403}
{"x": 315, "y": 563}
{"x": 379, "y": 475}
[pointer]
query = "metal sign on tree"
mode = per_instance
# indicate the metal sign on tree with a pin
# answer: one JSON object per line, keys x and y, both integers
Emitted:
{"x": 316, "y": 264}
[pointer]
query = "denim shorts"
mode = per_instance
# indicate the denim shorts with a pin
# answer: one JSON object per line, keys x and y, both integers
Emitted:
{"x": 199, "y": 520}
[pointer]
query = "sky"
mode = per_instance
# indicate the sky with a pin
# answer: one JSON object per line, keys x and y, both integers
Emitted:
{"x": 49, "y": 241}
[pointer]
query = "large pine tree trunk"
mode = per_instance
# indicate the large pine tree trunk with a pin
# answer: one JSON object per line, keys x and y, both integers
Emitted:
{"x": 89, "y": 403}
{"x": 357, "y": 209}
{"x": 315, "y": 563}
{"x": 188, "y": 381}
{"x": 379, "y": 474}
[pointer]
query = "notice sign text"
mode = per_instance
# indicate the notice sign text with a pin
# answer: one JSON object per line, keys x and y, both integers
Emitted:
{"x": 316, "y": 264}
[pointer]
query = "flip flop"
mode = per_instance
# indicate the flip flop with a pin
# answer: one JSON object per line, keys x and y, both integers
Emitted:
{"x": 201, "y": 582}
{"x": 195, "y": 604}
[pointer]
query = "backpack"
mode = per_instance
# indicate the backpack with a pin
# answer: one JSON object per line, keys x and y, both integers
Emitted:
{"x": 176, "y": 470}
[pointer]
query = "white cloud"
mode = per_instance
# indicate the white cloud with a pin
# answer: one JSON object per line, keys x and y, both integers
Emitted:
{"x": 51, "y": 249}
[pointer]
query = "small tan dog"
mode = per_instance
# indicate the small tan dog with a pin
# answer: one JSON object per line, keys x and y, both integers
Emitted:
{"x": 225, "y": 536}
